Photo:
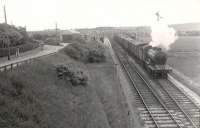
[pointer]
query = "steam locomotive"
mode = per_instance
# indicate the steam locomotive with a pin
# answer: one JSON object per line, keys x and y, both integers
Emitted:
{"x": 153, "y": 59}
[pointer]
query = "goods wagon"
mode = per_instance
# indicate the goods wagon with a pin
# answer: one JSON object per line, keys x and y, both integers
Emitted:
{"x": 153, "y": 59}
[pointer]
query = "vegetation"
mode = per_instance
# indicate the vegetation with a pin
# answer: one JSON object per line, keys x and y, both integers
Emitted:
{"x": 52, "y": 41}
{"x": 39, "y": 36}
{"x": 16, "y": 35}
{"x": 49, "y": 38}
{"x": 45, "y": 93}
{"x": 89, "y": 52}
{"x": 19, "y": 108}
{"x": 71, "y": 38}
{"x": 32, "y": 96}
{"x": 74, "y": 75}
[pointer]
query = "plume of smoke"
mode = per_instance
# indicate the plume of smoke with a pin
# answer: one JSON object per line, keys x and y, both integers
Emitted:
{"x": 162, "y": 35}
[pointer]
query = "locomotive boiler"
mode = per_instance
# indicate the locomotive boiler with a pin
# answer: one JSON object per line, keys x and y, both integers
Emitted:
{"x": 156, "y": 56}
{"x": 153, "y": 59}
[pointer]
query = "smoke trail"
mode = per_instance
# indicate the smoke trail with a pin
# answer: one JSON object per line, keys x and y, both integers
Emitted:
{"x": 162, "y": 35}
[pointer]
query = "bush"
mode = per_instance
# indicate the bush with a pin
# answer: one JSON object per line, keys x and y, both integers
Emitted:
{"x": 75, "y": 76}
{"x": 71, "y": 38}
{"x": 96, "y": 55}
{"x": 52, "y": 41}
{"x": 87, "y": 52}
{"x": 77, "y": 51}
{"x": 16, "y": 35}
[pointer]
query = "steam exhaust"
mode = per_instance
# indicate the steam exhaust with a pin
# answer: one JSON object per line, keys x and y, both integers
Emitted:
{"x": 161, "y": 34}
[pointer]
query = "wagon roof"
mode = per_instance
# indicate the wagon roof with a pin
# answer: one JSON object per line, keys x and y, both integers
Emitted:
{"x": 138, "y": 43}
{"x": 133, "y": 41}
{"x": 146, "y": 45}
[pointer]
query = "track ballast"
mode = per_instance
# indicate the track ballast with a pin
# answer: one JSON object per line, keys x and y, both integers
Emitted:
{"x": 169, "y": 108}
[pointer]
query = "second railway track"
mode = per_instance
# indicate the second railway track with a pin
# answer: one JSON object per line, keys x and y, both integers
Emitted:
{"x": 159, "y": 107}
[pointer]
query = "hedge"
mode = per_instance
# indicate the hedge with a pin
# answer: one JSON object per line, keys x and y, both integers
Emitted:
{"x": 22, "y": 48}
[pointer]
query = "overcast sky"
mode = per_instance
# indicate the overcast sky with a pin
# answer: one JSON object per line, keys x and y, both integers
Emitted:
{"x": 42, "y": 14}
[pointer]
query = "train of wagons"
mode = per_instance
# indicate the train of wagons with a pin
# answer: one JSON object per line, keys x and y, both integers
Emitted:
{"x": 153, "y": 59}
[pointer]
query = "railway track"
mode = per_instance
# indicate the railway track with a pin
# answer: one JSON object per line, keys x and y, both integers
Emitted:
{"x": 189, "y": 106}
{"x": 160, "y": 107}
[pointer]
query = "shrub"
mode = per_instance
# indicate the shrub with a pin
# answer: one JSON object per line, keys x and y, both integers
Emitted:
{"x": 88, "y": 52}
{"x": 77, "y": 51}
{"x": 71, "y": 38}
{"x": 96, "y": 54}
{"x": 16, "y": 35}
{"x": 75, "y": 76}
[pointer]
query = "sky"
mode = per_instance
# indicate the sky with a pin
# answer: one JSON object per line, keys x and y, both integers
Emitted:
{"x": 43, "y": 14}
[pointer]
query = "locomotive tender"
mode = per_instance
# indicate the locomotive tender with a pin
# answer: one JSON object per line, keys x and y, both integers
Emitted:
{"x": 153, "y": 59}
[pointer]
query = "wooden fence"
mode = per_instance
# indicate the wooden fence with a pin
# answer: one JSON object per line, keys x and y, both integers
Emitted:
{"x": 10, "y": 67}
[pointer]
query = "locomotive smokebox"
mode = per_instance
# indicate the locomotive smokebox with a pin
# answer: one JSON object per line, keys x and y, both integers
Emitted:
{"x": 157, "y": 56}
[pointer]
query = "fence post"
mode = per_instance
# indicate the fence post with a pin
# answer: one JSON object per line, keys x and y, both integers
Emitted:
{"x": 5, "y": 68}
{"x": 11, "y": 68}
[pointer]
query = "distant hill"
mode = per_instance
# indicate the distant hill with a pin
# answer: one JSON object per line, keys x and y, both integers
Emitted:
{"x": 51, "y": 32}
{"x": 187, "y": 27}
{"x": 177, "y": 27}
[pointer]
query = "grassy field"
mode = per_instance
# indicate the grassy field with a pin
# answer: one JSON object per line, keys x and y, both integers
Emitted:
{"x": 32, "y": 96}
{"x": 184, "y": 56}
{"x": 108, "y": 89}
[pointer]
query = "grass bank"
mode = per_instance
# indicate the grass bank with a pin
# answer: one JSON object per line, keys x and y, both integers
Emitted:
{"x": 33, "y": 96}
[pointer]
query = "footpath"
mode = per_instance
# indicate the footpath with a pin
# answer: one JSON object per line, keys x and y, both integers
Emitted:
{"x": 47, "y": 49}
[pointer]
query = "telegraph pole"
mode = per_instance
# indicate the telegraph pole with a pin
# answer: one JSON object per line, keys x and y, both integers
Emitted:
{"x": 8, "y": 40}
{"x": 5, "y": 16}
{"x": 56, "y": 33}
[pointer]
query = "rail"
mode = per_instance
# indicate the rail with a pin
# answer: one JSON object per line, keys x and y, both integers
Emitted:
{"x": 134, "y": 84}
{"x": 156, "y": 95}
{"x": 179, "y": 106}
